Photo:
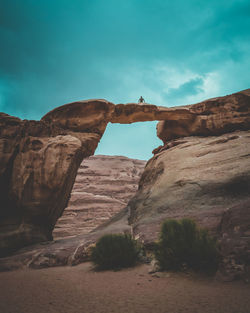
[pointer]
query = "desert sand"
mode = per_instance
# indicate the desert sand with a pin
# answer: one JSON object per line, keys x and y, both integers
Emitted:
{"x": 81, "y": 289}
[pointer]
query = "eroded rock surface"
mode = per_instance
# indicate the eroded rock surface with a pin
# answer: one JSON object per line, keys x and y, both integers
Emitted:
{"x": 199, "y": 177}
{"x": 90, "y": 116}
{"x": 40, "y": 162}
{"x": 66, "y": 251}
{"x": 206, "y": 179}
{"x": 235, "y": 243}
{"x": 103, "y": 186}
{"x": 208, "y": 118}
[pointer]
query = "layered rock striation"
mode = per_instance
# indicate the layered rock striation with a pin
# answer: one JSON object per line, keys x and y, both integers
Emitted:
{"x": 103, "y": 186}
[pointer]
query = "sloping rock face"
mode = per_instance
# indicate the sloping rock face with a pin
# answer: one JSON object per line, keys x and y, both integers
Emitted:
{"x": 206, "y": 179}
{"x": 197, "y": 176}
{"x": 39, "y": 159}
{"x": 103, "y": 186}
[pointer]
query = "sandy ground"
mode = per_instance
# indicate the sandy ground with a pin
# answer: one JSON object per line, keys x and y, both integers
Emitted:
{"x": 79, "y": 289}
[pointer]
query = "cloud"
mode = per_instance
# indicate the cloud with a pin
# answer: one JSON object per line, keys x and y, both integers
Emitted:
{"x": 54, "y": 52}
{"x": 191, "y": 87}
{"x": 165, "y": 85}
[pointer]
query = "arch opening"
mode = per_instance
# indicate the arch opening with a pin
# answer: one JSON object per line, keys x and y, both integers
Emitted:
{"x": 136, "y": 140}
{"x": 106, "y": 181}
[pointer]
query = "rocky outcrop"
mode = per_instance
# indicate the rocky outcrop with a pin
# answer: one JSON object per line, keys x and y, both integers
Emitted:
{"x": 208, "y": 118}
{"x": 39, "y": 159}
{"x": 40, "y": 162}
{"x": 93, "y": 115}
{"x": 197, "y": 177}
{"x": 103, "y": 186}
{"x": 90, "y": 116}
{"x": 206, "y": 179}
{"x": 66, "y": 251}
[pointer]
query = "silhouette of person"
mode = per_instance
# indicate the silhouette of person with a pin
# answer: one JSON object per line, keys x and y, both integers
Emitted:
{"x": 141, "y": 100}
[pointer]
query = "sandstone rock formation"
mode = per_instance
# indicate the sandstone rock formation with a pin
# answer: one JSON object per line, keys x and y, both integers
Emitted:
{"x": 197, "y": 174}
{"x": 93, "y": 115}
{"x": 208, "y": 118}
{"x": 103, "y": 186}
{"x": 39, "y": 159}
{"x": 90, "y": 116}
{"x": 206, "y": 179}
{"x": 235, "y": 242}
{"x": 39, "y": 162}
{"x": 203, "y": 178}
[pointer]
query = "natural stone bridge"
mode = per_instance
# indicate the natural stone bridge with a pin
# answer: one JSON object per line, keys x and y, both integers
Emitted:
{"x": 40, "y": 159}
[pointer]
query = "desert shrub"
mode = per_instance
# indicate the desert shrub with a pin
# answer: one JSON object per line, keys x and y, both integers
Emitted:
{"x": 183, "y": 244}
{"x": 115, "y": 251}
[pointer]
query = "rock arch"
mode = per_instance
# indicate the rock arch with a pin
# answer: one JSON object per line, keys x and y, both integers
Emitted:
{"x": 39, "y": 159}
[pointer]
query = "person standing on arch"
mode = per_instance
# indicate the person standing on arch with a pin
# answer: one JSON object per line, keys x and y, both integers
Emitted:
{"x": 141, "y": 100}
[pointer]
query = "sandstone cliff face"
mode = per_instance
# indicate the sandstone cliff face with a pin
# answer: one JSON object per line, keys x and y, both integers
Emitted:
{"x": 38, "y": 166}
{"x": 103, "y": 186}
{"x": 206, "y": 179}
{"x": 198, "y": 177}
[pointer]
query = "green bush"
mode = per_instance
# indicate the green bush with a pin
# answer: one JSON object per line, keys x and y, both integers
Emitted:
{"x": 115, "y": 251}
{"x": 183, "y": 244}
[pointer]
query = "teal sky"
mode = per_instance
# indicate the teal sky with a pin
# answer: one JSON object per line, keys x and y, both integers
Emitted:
{"x": 171, "y": 52}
